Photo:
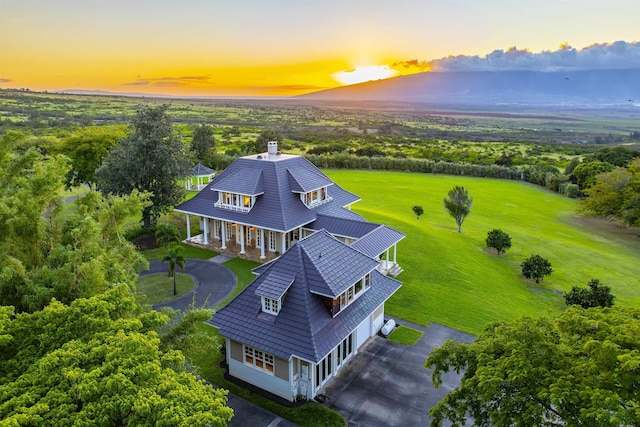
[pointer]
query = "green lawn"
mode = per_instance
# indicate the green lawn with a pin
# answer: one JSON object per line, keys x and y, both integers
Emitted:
{"x": 450, "y": 278}
{"x": 405, "y": 335}
{"x": 158, "y": 288}
{"x": 188, "y": 252}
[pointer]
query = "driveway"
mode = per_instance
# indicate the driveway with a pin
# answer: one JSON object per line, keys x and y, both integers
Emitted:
{"x": 385, "y": 383}
{"x": 213, "y": 283}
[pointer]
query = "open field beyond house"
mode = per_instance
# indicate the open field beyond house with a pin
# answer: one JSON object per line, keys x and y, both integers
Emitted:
{"x": 452, "y": 279}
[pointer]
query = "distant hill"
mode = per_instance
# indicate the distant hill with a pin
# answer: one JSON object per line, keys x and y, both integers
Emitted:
{"x": 594, "y": 87}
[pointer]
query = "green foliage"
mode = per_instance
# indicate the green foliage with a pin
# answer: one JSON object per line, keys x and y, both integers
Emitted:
{"x": 188, "y": 252}
{"x": 86, "y": 150}
{"x": 266, "y": 136}
{"x": 417, "y": 210}
{"x": 616, "y": 156}
{"x": 585, "y": 173}
{"x": 616, "y": 194}
{"x": 156, "y": 288}
{"x": 166, "y": 234}
{"x": 458, "y": 204}
{"x": 596, "y": 295}
{"x": 536, "y": 267}
{"x": 498, "y": 240}
{"x": 572, "y": 190}
{"x": 99, "y": 362}
{"x": 579, "y": 369}
{"x": 151, "y": 159}
{"x": 405, "y": 335}
{"x": 571, "y": 166}
{"x": 203, "y": 145}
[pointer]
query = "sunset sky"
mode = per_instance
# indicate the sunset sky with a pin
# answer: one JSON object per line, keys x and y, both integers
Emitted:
{"x": 278, "y": 47}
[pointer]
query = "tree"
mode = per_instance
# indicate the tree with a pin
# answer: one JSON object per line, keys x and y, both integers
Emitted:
{"x": 579, "y": 369}
{"x": 151, "y": 159}
{"x": 536, "y": 267}
{"x": 99, "y": 361}
{"x": 86, "y": 150}
{"x": 166, "y": 234}
{"x": 175, "y": 258}
{"x": 203, "y": 145}
{"x": 417, "y": 210}
{"x": 265, "y": 136}
{"x": 585, "y": 173}
{"x": 596, "y": 295}
{"x": 458, "y": 204}
{"x": 498, "y": 240}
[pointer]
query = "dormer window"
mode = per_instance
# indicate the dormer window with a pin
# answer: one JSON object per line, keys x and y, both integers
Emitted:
{"x": 234, "y": 201}
{"x": 270, "y": 305}
{"x": 352, "y": 293}
{"x": 315, "y": 197}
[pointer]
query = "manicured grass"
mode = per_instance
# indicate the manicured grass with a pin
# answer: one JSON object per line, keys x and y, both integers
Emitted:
{"x": 158, "y": 287}
{"x": 311, "y": 414}
{"x": 405, "y": 335}
{"x": 450, "y": 278}
{"x": 188, "y": 252}
{"x": 242, "y": 269}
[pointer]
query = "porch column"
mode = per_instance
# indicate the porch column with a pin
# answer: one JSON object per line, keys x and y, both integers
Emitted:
{"x": 242, "y": 237}
{"x": 262, "y": 243}
{"x": 299, "y": 233}
{"x": 395, "y": 250}
{"x": 284, "y": 242}
{"x": 206, "y": 231}
{"x": 223, "y": 234}
{"x": 188, "y": 227}
{"x": 386, "y": 266}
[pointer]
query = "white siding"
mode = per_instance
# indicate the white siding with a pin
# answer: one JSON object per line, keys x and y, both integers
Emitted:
{"x": 363, "y": 331}
{"x": 263, "y": 380}
{"x": 378, "y": 319}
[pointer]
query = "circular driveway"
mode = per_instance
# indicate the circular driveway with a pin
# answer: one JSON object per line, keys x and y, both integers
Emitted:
{"x": 213, "y": 283}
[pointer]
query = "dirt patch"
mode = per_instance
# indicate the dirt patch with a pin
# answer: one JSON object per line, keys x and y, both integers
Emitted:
{"x": 145, "y": 242}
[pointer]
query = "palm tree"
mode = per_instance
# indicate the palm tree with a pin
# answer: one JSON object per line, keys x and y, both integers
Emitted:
{"x": 175, "y": 258}
{"x": 166, "y": 234}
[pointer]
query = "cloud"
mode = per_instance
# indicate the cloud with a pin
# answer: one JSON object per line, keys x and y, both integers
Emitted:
{"x": 5, "y": 80}
{"x": 169, "y": 81}
{"x": 617, "y": 55}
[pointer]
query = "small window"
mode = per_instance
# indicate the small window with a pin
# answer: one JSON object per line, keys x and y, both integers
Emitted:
{"x": 259, "y": 359}
{"x": 270, "y": 305}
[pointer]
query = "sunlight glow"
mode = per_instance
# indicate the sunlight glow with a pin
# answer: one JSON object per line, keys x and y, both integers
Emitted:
{"x": 364, "y": 74}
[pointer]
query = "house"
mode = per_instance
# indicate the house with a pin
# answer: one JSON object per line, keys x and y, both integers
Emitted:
{"x": 306, "y": 314}
{"x": 261, "y": 205}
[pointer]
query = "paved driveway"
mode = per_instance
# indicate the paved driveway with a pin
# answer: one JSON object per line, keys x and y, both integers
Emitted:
{"x": 213, "y": 283}
{"x": 386, "y": 385}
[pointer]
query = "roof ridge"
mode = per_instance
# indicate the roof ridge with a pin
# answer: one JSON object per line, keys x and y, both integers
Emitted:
{"x": 307, "y": 295}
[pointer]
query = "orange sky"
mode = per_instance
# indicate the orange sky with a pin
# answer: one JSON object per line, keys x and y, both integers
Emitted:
{"x": 276, "y": 47}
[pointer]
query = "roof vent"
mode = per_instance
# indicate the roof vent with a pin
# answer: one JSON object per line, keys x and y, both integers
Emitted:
{"x": 259, "y": 157}
{"x": 272, "y": 148}
{"x": 278, "y": 153}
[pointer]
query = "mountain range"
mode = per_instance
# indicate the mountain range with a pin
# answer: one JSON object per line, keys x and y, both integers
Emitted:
{"x": 570, "y": 88}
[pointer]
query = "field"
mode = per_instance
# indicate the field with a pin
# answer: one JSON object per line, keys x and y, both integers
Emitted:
{"x": 452, "y": 279}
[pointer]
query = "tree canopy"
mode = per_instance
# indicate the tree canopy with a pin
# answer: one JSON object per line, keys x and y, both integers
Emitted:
{"x": 585, "y": 173}
{"x": 581, "y": 368}
{"x": 151, "y": 159}
{"x": 536, "y": 267}
{"x": 97, "y": 361}
{"x": 417, "y": 210}
{"x": 458, "y": 204}
{"x": 498, "y": 240}
{"x": 594, "y": 295}
{"x": 203, "y": 145}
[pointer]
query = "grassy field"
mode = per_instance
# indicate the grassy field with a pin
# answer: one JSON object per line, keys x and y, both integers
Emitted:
{"x": 450, "y": 278}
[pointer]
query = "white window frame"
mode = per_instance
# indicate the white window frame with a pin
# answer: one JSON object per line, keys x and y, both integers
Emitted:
{"x": 235, "y": 201}
{"x": 350, "y": 294}
{"x": 258, "y": 359}
{"x": 271, "y": 306}
{"x": 316, "y": 197}
{"x": 273, "y": 241}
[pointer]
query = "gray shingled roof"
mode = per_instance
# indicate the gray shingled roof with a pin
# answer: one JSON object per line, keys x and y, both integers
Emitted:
{"x": 304, "y": 327}
{"x": 378, "y": 240}
{"x": 279, "y": 208}
{"x": 304, "y": 179}
{"x": 343, "y": 226}
{"x": 201, "y": 170}
{"x": 245, "y": 181}
{"x": 274, "y": 285}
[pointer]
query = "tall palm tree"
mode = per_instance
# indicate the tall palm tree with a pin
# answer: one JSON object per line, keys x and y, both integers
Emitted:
{"x": 175, "y": 258}
{"x": 166, "y": 234}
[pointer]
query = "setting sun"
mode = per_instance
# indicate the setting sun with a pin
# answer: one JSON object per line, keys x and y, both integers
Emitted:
{"x": 364, "y": 74}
